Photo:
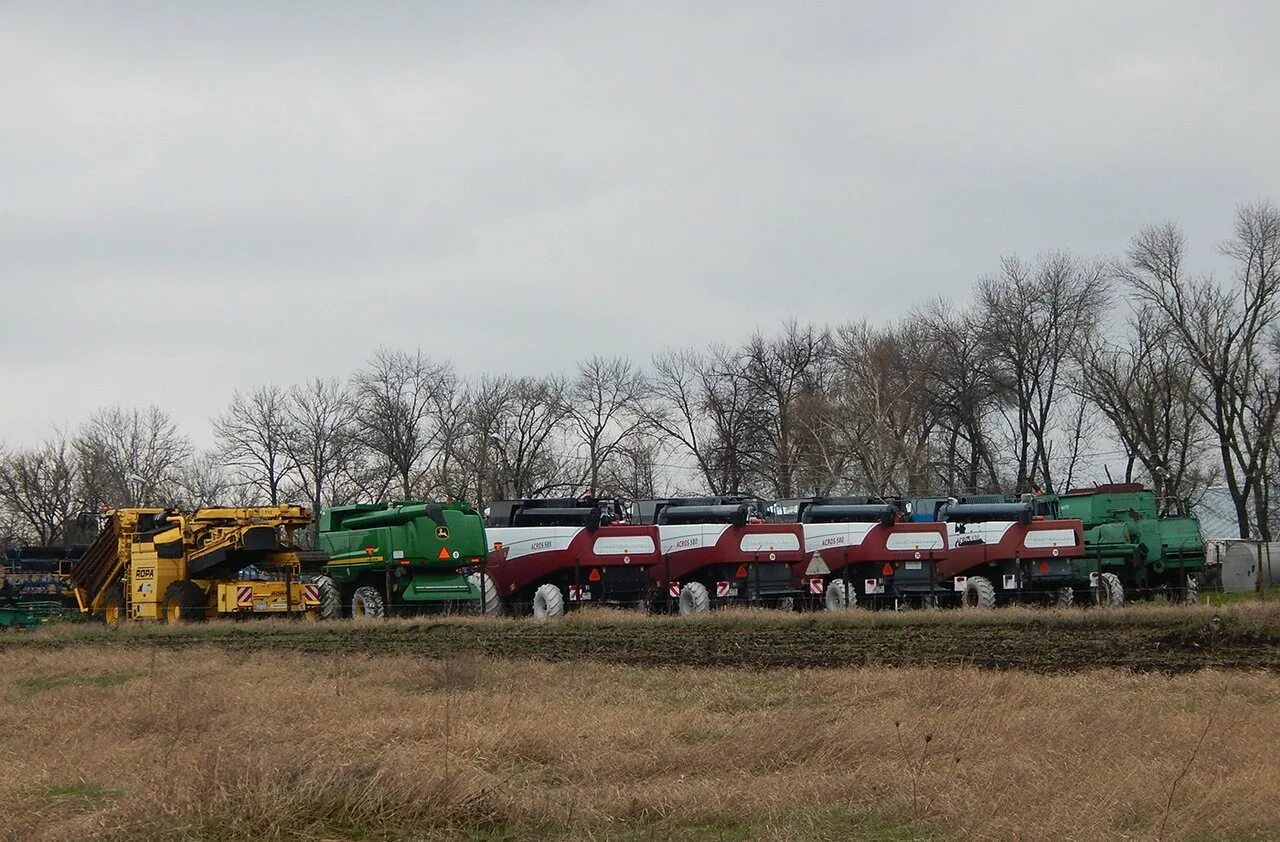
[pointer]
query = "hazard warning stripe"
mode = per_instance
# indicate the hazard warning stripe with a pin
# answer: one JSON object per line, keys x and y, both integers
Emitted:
{"x": 244, "y": 595}
{"x": 311, "y": 593}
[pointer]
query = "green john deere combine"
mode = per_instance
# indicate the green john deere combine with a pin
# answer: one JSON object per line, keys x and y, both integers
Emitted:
{"x": 1130, "y": 544}
{"x": 400, "y": 558}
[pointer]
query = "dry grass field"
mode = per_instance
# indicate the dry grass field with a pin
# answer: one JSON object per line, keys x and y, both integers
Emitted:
{"x": 201, "y": 742}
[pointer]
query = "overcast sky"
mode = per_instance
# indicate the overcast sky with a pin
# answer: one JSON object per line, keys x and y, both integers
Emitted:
{"x": 196, "y": 197}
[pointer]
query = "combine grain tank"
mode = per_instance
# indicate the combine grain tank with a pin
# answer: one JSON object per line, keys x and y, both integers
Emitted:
{"x": 720, "y": 551}
{"x": 400, "y": 558}
{"x": 851, "y": 543}
{"x": 549, "y": 556}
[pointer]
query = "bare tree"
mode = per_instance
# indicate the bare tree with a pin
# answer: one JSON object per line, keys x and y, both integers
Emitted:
{"x": 318, "y": 437}
{"x": 702, "y": 407}
{"x": 395, "y": 396}
{"x": 1222, "y": 332}
{"x": 38, "y": 487}
{"x": 205, "y": 481}
{"x": 1035, "y": 316}
{"x": 679, "y": 413}
{"x": 445, "y": 475}
{"x": 636, "y": 472}
{"x": 1147, "y": 388}
{"x": 959, "y": 386}
{"x": 880, "y": 417}
{"x": 602, "y": 407}
{"x": 130, "y": 457}
{"x": 513, "y": 428}
{"x": 730, "y": 403}
{"x": 252, "y": 438}
{"x": 782, "y": 372}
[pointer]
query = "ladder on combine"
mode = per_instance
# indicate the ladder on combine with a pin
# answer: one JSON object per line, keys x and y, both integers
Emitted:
{"x": 100, "y": 566}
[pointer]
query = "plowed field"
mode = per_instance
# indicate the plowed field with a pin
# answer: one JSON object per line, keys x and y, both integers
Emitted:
{"x": 1144, "y": 639}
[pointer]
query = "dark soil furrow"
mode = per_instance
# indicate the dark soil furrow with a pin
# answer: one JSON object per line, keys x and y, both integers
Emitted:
{"x": 1166, "y": 643}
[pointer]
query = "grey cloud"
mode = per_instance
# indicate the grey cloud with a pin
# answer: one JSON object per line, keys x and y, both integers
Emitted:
{"x": 244, "y": 192}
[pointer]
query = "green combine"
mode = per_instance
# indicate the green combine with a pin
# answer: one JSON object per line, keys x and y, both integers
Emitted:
{"x": 400, "y": 558}
{"x": 1130, "y": 543}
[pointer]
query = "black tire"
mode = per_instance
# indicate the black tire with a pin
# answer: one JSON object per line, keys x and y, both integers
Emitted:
{"x": 979, "y": 593}
{"x": 184, "y": 602}
{"x": 694, "y": 599}
{"x": 367, "y": 602}
{"x": 1109, "y": 592}
{"x": 489, "y": 603}
{"x": 840, "y": 596}
{"x": 113, "y": 606}
{"x": 548, "y": 602}
{"x": 330, "y": 598}
{"x": 1064, "y": 597}
{"x": 785, "y": 603}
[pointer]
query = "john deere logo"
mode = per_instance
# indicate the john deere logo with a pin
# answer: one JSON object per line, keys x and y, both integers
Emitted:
{"x": 442, "y": 533}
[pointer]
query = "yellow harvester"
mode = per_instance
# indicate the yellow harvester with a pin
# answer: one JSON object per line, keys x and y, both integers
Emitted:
{"x": 171, "y": 566}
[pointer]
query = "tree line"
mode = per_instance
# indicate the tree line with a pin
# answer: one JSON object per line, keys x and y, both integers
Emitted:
{"x": 1048, "y": 374}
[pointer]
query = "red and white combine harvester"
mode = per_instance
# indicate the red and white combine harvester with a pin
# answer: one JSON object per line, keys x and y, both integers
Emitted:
{"x": 548, "y": 556}
{"x": 996, "y": 552}
{"x": 851, "y": 543}
{"x": 719, "y": 551}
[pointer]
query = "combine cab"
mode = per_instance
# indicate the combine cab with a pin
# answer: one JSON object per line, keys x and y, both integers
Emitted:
{"x": 996, "y": 552}
{"x": 852, "y": 543}
{"x": 719, "y": 551}
{"x": 1131, "y": 545}
{"x": 548, "y": 556}
{"x": 405, "y": 557}
{"x": 164, "y": 565}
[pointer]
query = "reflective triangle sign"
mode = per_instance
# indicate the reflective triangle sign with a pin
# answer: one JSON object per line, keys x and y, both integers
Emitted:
{"x": 817, "y": 567}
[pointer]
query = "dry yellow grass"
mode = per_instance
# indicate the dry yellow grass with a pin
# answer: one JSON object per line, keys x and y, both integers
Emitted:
{"x": 206, "y": 743}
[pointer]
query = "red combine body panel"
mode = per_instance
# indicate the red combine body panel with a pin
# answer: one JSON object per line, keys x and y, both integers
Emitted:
{"x": 998, "y": 552}
{"x": 548, "y": 556}
{"x": 849, "y": 541}
{"x": 717, "y": 551}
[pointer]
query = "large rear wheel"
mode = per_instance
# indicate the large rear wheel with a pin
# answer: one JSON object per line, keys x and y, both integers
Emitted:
{"x": 183, "y": 602}
{"x": 330, "y": 598}
{"x": 367, "y": 602}
{"x": 548, "y": 602}
{"x": 490, "y": 603}
{"x": 113, "y": 606}
{"x": 1109, "y": 591}
{"x": 694, "y": 599}
{"x": 840, "y": 596}
{"x": 979, "y": 593}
